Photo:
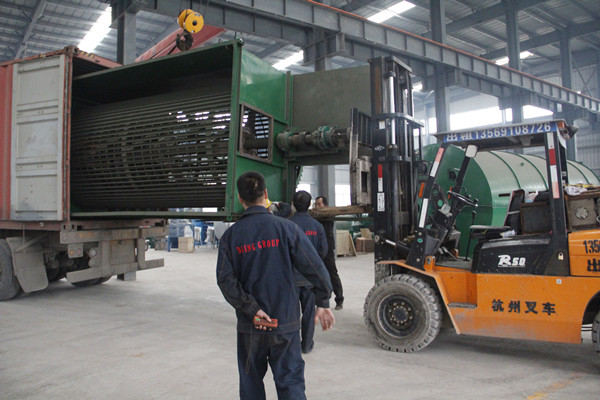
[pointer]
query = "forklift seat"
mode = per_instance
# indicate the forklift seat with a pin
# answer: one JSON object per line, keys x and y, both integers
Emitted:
{"x": 512, "y": 221}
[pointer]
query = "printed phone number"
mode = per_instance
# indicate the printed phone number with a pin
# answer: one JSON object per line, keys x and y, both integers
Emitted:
{"x": 501, "y": 132}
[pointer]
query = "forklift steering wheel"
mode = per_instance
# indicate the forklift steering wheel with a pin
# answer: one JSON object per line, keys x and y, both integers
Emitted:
{"x": 463, "y": 199}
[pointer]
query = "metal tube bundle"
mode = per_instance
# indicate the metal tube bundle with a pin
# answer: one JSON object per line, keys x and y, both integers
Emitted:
{"x": 164, "y": 151}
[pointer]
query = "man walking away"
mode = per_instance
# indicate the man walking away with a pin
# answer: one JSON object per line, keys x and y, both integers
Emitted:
{"x": 316, "y": 234}
{"x": 255, "y": 275}
{"x": 329, "y": 259}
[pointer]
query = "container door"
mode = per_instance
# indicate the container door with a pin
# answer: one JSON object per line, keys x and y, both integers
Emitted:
{"x": 37, "y": 140}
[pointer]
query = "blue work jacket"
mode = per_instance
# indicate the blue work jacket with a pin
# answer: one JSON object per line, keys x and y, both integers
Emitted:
{"x": 255, "y": 269}
{"x": 314, "y": 231}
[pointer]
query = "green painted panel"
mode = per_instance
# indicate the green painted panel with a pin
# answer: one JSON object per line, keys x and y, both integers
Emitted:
{"x": 263, "y": 86}
{"x": 258, "y": 85}
{"x": 326, "y": 97}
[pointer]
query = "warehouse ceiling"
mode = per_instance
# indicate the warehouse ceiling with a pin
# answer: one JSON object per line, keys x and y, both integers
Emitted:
{"x": 30, "y": 27}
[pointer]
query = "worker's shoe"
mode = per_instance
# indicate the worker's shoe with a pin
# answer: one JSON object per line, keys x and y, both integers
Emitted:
{"x": 339, "y": 306}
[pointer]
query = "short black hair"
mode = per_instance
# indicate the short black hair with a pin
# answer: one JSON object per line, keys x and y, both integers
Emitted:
{"x": 251, "y": 185}
{"x": 324, "y": 199}
{"x": 301, "y": 200}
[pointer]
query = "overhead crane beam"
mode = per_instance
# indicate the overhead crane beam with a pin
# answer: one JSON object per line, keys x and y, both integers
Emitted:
{"x": 574, "y": 31}
{"x": 37, "y": 13}
{"x": 361, "y": 39}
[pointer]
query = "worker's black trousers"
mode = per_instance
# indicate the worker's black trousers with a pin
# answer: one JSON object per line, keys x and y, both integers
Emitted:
{"x": 307, "y": 304}
{"x": 336, "y": 282}
{"x": 282, "y": 353}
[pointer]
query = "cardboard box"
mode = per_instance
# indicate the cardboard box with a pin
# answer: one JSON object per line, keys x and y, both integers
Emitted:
{"x": 366, "y": 233}
{"x": 344, "y": 244}
{"x": 186, "y": 244}
{"x": 364, "y": 245}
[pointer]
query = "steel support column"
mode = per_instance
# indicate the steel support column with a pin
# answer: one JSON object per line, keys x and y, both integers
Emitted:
{"x": 326, "y": 183}
{"x": 438, "y": 32}
{"x": 323, "y": 63}
{"x": 514, "y": 51}
{"x": 566, "y": 68}
{"x": 126, "y": 25}
{"x": 37, "y": 13}
{"x": 319, "y": 51}
{"x": 598, "y": 74}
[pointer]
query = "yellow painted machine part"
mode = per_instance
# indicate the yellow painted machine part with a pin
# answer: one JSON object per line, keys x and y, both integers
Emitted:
{"x": 584, "y": 253}
{"x": 182, "y": 16}
{"x": 190, "y": 20}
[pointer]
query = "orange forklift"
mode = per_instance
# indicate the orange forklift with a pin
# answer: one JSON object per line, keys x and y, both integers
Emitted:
{"x": 535, "y": 278}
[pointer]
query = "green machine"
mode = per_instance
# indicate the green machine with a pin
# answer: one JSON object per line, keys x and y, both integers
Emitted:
{"x": 492, "y": 176}
{"x": 176, "y": 132}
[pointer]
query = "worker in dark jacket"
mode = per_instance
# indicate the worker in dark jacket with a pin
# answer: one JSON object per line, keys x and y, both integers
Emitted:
{"x": 316, "y": 234}
{"x": 255, "y": 275}
{"x": 329, "y": 259}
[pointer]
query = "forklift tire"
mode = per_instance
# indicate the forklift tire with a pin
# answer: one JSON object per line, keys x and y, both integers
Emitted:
{"x": 382, "y": 271}
{"x": 9, "y": 284}
{"x": 404, "y": 313}
{"x": 596, "y": 332}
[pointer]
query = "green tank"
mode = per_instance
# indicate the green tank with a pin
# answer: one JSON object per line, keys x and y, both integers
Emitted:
{"x": 492, "y": 176}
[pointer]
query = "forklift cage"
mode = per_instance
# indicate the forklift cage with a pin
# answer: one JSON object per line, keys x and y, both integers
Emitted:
{"x": 552, "y": 136}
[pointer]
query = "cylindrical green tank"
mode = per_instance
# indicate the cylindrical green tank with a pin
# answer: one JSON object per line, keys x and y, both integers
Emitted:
{"x": 492, "y": 176}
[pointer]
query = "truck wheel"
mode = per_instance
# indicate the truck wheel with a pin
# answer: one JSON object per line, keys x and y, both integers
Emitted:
{"x": 82, "y": 263}
{"x": 596, "y": 332}
{"x": 403, "y": 313}
{"x": 87, "y": 283}
{"x": 55, "y": 274}
{"x": 9, "y": 284}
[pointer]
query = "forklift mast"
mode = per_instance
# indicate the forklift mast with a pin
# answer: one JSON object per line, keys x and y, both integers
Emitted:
{"x": 394, "y": 158}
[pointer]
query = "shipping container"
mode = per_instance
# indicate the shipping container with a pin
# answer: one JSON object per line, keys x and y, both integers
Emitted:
{"x": 97, "y": 156}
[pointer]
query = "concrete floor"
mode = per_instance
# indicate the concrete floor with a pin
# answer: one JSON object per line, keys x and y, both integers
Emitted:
{"x": 171, "y": 335}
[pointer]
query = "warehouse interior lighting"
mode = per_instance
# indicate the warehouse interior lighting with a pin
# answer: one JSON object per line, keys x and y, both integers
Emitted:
{"x": 97, "y": 32}
{"x": 391, "y": 11}
{"x": 522, "y": 56}
{"x": 293, "y": 59}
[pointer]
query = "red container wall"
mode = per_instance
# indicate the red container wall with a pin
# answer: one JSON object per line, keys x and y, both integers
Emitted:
{"x": 6, "y": 72}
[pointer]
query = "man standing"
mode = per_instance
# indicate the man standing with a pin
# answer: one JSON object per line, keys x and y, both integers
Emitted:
{"x": 329, "y": 259}
{"x": 316, "y": 234}
{"x": 255, "y": 275}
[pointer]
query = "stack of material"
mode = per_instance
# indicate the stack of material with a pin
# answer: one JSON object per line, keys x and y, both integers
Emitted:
{"x": 186, "y": 244}
{"x": 365, "y": 243}
{"x": 344, "y": 244}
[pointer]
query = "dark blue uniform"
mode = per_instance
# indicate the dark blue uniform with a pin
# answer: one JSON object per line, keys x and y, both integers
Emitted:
{"x": 314, "y": 231}
{"x": 254, "y": 271}
{"x": 329, "y": 260}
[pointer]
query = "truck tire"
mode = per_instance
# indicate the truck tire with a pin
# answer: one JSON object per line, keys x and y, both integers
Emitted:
{"x": 403, "y": 312}
{"x": 82, "y": 263}
{"x": 596, "y": 332}
{"x": 9, "y": 284}
{"x": 89, "y": 282}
